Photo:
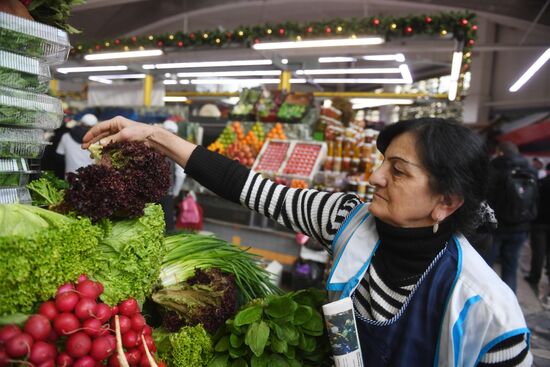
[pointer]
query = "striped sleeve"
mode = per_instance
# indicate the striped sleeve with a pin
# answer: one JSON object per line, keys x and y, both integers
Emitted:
{"x": 511, "y": 352}
{"x": 315, "y": 213}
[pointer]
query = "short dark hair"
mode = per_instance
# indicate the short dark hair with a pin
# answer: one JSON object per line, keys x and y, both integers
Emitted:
{"x": 456, "y": 159}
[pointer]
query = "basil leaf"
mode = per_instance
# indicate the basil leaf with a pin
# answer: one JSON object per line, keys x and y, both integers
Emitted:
{"x": 248, "y": 315}
{"x": 257, "y": 336}
{"x": 222, "y": 345}
{"x": 281, "y": 307}
{"x": 302, "y": 314}
{"x": 235, "y": 341}
{"x": 261, "y": 361}
{"x": 220, "y": 360}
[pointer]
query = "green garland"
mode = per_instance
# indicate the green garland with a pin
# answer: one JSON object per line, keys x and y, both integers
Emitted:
{"x": 459, "y": 26}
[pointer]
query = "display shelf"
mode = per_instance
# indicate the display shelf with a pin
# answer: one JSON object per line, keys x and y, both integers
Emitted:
{"x": 14, "y": 172}
{"x": 26, "y": 109}
{"x": 22, "y": 72}
{"x": 22, "y": 143}
{"x": 12, "y": 195}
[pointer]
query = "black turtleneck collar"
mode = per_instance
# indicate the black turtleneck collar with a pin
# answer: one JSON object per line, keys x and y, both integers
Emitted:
{"x": 405, "y": 253}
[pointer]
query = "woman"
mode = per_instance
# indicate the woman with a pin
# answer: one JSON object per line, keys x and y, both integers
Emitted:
{"x": 422, "y": 294}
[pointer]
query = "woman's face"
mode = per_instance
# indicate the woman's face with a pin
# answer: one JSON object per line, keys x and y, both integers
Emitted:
{"x": 403, "y": 197}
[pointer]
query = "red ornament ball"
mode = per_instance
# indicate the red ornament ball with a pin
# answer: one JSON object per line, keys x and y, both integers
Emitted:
{"x": 228, "y": 34}
{"x": 471, "y": 42}
{"x": 474, "y": 27}
{"x": 376, "y": 21}
{"x": 428, "y": 20}
{"x": 134, "y": 38}
{"x": 180, "y": 44}
{"x": 464, "y": 21}
{"x": 328, "y": 30}
{"x": 159, "y": 43}
{"x": 192, "y": 36}
{"x": 309, "y": 29}
{"x": 97, "y": 47}
{"x": 408, "y": 29}
{"x": 281, "y": 31}
{"x": 256, "y": 40}
{"x": 117, "y": 42}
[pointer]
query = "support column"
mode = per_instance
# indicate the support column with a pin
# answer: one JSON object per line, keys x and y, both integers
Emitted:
{"x": 54, "y": 87}
{"x": 284, "y": 80}
{"x": 474, "y": 108}
{"x": 147, "y": 90}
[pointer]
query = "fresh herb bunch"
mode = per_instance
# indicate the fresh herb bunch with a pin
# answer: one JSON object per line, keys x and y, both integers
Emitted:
{"x": 19, "y": 116}
{"x": 191, "y": 346}
{"x": 10, "y": 179}
{"x": 20, "y": 80}
{"x": 17, "y": 149}
{"x": 54, "y": 12}
{"x": 48, "y": 190}
{"x": 276, "y": 331}
{"x": 209, "y": 298}
{"x": 21, "y": 43}
{"x": 128, "y": 176}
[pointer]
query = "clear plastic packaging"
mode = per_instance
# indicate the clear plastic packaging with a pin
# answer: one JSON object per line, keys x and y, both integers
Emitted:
{"x": 15, "y": 195}
{"x": 21, "y": 143}
{"x": 30, "y": 38}
{"x": 22, "y": 72}
{"x": 14, "y": 172}
{"x": 28, "y": 109}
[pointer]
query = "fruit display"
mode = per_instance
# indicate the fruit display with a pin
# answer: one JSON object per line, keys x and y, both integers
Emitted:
{"x": 247, "y": 100}
{"x": 242, "y": 152}
{"x": 268, "y": 105}
{"x": 302, "y": 160}
{"x": 294, "y": 107}
{"x": 75, "y": 328}
{"x": 298, "y": 184}
{"x": 258, "y": 130}
{"x": 272, "y": 157}
{"x": 276, "y": 132}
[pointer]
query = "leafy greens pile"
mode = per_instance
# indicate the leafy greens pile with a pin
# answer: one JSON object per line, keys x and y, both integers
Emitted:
{"x": 276, "y": 331}
{"x": 127, "y": 176}
{"x": 191, "y": 346}
{"x": 40, "y": 251}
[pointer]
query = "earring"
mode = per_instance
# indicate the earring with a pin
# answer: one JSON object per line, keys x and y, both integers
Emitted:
{"x": 436, "y": 227}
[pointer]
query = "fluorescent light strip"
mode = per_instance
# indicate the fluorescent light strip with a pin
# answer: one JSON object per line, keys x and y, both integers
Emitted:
{"x": 91, "y": 69}
{"x": 359, "y": 103}
{"x": 324, "y": 60}
{"x": 169, "y": 82}
{"x": 359, "y": 81}
{"x": 455, "y": 73}
{"x": 348, "y": 71}
{"x": 212, "y": 74}
{"x": 174, "y": 99}
{"x": 319, "y": 43}
{"x": 389, "y": 57}
{"x": 100, "y": 80}
{"x": 531, "y": 71}
{"x": 207, "y": 64}
{"x": 406, "y": 73}
{"x": 184, "y": 82}
{"x": 235, "y": 81}
{"x": 123, "y": 55}
{"x": 121, "y": 76}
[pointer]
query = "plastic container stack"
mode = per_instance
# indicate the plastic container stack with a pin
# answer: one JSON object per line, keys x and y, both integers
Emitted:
{"x": 27, "y": 50}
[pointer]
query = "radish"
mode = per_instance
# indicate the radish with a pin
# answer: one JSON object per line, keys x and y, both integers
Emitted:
{"x": 150, "y": 343}
{"x": 152, "y": 362}
{"x": 48, "y": 363}
{"x": 113, "y": 361}
{"x": 38, "y": 327}
{"x": 65, "y": 302}
{"x": 67, "y": 287}
{"x": 138, "y": 322}
{"x": 103, "y": 312}
{"x": 82, "y": 278}
{"x": 42, "y": 352}
{"x": 64, "y": 360}
{"x": 112, "y": 340}
{"x": 19, "y": 346}
{"x": 88, "y": 289}
{"x": 4, "y": 359}
{"x": 85, "y": 308}
{"x": 114, "y": 310}
{"x": 133, "y": 356}
{"x": 85, "y": 361}
{"x": 101, "y": 349}
{"x": 8, "y": 332}
{"x": 100, "y": 287}
{"x": 119, "y": 350}
{"x": 65, "y": 324}
{"x": 144, "y": 361}
{"x": 125, "y": 324}
{"x": 92, "y": 327}
{"x": 78, "y": 345}
{"x": 147, "y": 330}
{"x": 52, "y": 336}
{"x": 130, "y": 339}
{"x": 128, "y": 307}
{"x": 48, "y": 310}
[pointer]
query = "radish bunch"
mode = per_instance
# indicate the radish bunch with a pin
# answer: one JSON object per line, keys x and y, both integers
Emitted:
{"x": 76, "y": 329}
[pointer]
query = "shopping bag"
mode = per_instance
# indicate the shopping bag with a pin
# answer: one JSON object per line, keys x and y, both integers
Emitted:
{"x": 190, "y": 214}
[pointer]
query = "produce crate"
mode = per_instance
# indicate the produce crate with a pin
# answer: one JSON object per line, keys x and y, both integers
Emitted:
{"x": 291, "y": 159}
{"x": 15, "y": 195}
{"x": 22, "y": 143}
{"x": 14, "y": 172}
{"x": 22, "y": 72}
{"x": 27, "y": 109}
{"x": 30, "y": 38}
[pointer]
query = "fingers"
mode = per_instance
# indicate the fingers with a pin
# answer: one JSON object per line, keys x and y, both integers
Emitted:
{"x": 104, "y": 129}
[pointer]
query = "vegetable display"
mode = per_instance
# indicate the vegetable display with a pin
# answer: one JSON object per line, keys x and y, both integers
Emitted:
{"x": 48, "y": 190}
{"x": 40, "y": 250}
{"x": 276, "y": 331}
{"x": 191, "y": 346}
{"x": 187, "y": 252}
{"x": 21, "y": 43}
{"x": 208, "y": 298}
{"x": 127, "y": 176}
{"x": 20, "y": 80}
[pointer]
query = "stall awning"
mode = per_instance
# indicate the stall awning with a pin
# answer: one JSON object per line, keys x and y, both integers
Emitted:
{"x": 533, "y": 139}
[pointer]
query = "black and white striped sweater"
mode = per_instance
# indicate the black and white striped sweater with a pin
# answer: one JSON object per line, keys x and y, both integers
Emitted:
{"x": 382, "y": 291}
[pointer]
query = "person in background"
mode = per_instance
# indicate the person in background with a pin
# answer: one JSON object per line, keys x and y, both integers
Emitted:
{"x": 513, "y": 227}
{"x": 69, "y": 145}
{"x": 177, "y": 176}
{"x": 422, "y": 294}
{"x": 538, "y": 164}
{"x": 540, "y": 236}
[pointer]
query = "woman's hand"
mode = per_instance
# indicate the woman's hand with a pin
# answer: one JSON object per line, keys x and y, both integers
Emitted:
{"x": 122, "y": 129}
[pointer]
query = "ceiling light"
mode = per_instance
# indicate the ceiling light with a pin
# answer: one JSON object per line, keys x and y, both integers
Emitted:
{"x": 348, "y": 71}
{"x": 319, "y": 43}
{"x": 207, "y": 64}
{"x": 405, "y": 73}
{"x": 121, "y": 76}
{"x": 212, "y": 74}
{"x": 100, "y": 80}
{"x": 359, "y": 81}
{"x": 298, "y": 81}
{"x": 455, "y": 73}
{"x": 169, "y": 82}
{"x": 174, "y": 99}
{"x": 91, "y": 69}
{"x": 359, "y": 103}
{"x": 531, "y": 71}
{"x": 284, "y": 61}
{"x": 184, "y": 81}
{"x": 390, "y": 57}
{"x": 167, "y": 75}
{"x": 323, "y": 60}
{"x": 235, "y": 81}
{"x": 123, "y": 55}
